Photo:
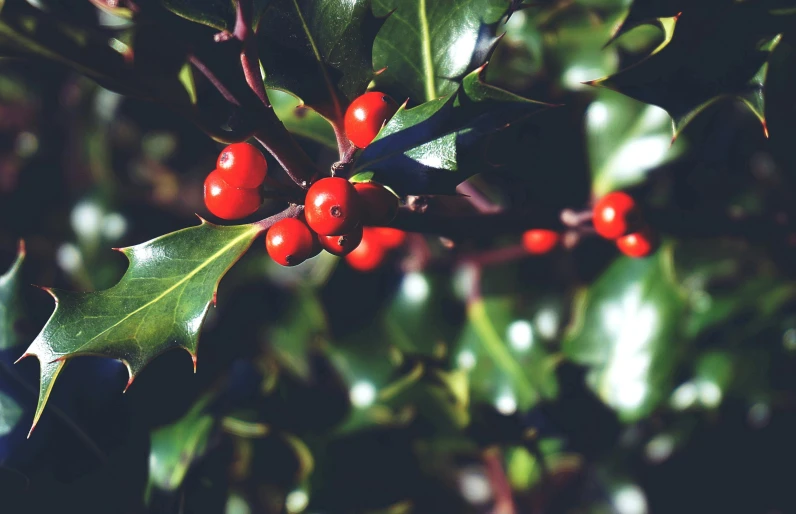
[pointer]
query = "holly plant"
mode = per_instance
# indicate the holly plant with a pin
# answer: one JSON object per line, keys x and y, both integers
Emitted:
{"x": 495, "y": 256}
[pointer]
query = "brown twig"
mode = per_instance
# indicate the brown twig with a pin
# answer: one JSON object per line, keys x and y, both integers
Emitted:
{"x": 476, "y": 198}
{"x": 293, "y": 211}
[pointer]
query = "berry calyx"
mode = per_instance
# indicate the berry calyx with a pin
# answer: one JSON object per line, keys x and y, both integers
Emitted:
{"x": 369, "y": 255}
{"x": 332, "y": 207}
{"x": 341, "y": 245}
{"x": 389, "y": 238}
{"x": 242, "y": 165}
{"x": 366, "y": 115}
{"x": 615, "y": 215}
{"x": 228, "y": 202}
{"x": 638, "y": 244}
{"x": 290, "y": 242}
{"x": 379, "y": 205}
{"x": 540, "y": 241}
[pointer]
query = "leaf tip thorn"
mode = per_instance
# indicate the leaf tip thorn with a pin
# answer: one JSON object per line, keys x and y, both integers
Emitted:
{"x": 765, "y": 128}
{"x": 23, "y": 356}
{"x": 21, "y": 250}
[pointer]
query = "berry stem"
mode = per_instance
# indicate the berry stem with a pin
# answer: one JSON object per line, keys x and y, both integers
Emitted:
{"x": 249, "y": 59}
{"x": 293, "y": 211}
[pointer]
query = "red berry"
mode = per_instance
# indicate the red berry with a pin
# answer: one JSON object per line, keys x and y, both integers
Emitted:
{"x": 369, "y": 254}
{"x": 379, "y": 205}
{"x": 289, "y": 242}
{"x": 615, "y": 215}
{"x": 638, "y": 244}
{"x": 242, "y": 165}
{"x": 342, "y": 245}
{"x": 539, "y": 241}
{"x": 332, "y": 207}
{"x": 366, "y": 115}
{"x": 389, "y": 238}
{"x": 227, "y": 202}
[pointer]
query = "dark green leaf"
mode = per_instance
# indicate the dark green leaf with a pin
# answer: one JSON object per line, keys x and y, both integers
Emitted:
{"x": 319, "y": 50}
{"x": 626, "y": 139}
{"x": 10, "y": 307}
{"x": 626, "y": 331}
{"x": 419, "y": 150}
{"x": 427, "y": 46}
{"x": 725, "y": 279}
{"x": 159, "y": 303}
{"x": 709, "y": 58}
{"x": 507, "y": 368}
{"x": 219, "y": 14}
{"x": 421, "y": 318}
{"x": 176, "y": 446}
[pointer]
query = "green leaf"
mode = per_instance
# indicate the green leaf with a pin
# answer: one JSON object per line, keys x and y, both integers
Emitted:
{"x": 10, "y": 307}
{"x": 219, "y": 14}
{"x": 419, "y": 151}
{"x": 10, "y": 414}
{"x": 303, "y": 326}
{"x": 301, "y": 120}
{"x": 649, "y": 12}
{"x": 710, "y": 57}
{"x": 627, "y": 333}
{"x": 319, "y": 50}
{"x": 626, "y": 139}
{"x": 427, "y": 46}
{"x": 506, "y": 367}
{"x": 160, "y": 303}
{"x": 176, "y": 446}
{"x": 724, "y": 279}
{"x": 421, "y": 317}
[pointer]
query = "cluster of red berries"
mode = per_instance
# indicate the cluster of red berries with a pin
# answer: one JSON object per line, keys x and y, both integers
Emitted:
{"x": 617, "y": 217}
{"x": 338, "y": 215}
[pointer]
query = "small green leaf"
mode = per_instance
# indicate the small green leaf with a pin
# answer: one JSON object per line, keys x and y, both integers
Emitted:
{"x": 319, "y": 50}
{"x": 160, "y": 303}
{"x": 301, "y": 120}
{"x": 627, "y": 333}
{"x": 177, "y": 446}
{"x": 626, "y": 139}
{"x": 218, "y": 14}
{"x": 10, "y": 307}
{"x": 506, "y": 367}
{"x": 427, "y": 46}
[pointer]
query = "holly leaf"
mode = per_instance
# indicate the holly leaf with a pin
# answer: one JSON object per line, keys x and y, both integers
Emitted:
{"x": 218, "y": 14}
{"x": 649, "y": 12}
{"x": 427, "y": 47}
{"x": 626, "y": 140}
{"x": 319, "y": 50}
{"x": 708, "y": 59}
{"x": 419, "y": 150}
{"x": 160, "y": 303}
{"x": 176, "y": 446}
{"x": 10, "y": 307}
{"x": 506, "y": 367}
{"x": 301, "y": 120}
{"x": 627, "y": 332}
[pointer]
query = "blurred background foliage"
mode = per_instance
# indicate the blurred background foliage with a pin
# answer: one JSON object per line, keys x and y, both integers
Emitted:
{"x": 575, "y": 382}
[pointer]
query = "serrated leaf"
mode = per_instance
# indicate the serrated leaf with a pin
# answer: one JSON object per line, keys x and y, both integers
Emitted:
{"x": 649, "y": 11}
{"x": 300, "y": 120}
{"x": 418, "y": 150}
{"x": 428, "y": 46}
{"x": 160, "y": 303}
{"x": 627, "y": 334}
{"x": 10, "y": 307}
{"x": 175, "y": 447}
{"x": 626, "y": 139}
{"x": 506, "y": 367}
{"x": 319, "y": 50}
{"x": 709, "y": 58}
